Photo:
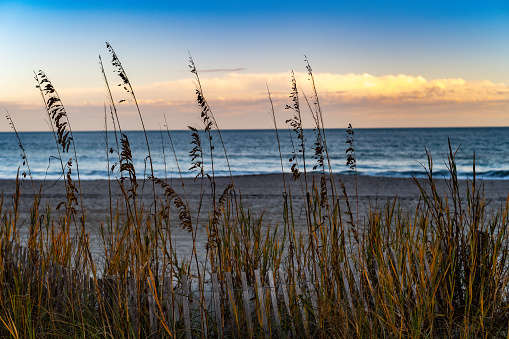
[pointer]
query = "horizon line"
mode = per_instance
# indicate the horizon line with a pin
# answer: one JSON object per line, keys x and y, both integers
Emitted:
{"x": 272, "y": 129}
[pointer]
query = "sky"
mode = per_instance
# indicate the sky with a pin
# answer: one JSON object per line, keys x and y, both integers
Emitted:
{"x": 376, "y": 63}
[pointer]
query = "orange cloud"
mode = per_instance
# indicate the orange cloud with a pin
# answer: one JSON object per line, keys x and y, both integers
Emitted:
{"x": 240, "y": 100}
{"x": 404, "y": 88}
{"x": 339, "y": 87}
{"x": 336, "y": 88}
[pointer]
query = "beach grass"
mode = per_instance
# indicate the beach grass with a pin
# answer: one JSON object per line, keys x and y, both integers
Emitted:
{"x": 439, "y": 271}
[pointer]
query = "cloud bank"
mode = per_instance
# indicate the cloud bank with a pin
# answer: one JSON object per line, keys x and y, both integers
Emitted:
{"x": 240, "y": 100}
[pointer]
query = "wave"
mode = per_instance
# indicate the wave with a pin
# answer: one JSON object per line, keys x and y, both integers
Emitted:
{"x": 487, "y": 175}
{"x": 439, "y": 174}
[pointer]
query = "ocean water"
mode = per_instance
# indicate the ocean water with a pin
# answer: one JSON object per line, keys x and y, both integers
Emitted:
{"x": 392, "y": 152}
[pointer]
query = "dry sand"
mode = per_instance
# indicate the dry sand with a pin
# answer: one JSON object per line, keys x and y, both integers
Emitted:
{"x": 260, "y": 193}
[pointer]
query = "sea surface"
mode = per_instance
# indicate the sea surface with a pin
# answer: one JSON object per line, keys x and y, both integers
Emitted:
{"x": 390, "y": 152}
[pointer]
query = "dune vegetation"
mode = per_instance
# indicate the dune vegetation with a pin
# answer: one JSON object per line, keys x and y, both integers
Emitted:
{"x": 440, "y": 271}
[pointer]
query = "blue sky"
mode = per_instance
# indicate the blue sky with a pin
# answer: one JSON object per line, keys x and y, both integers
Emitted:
{"x": 258, "y": 42}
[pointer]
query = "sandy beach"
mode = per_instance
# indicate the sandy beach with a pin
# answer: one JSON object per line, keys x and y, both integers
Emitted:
{"x": 260, "y": 193}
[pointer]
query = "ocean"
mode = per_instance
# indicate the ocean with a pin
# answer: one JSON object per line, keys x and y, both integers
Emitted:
{"x": 390, "y": 152}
